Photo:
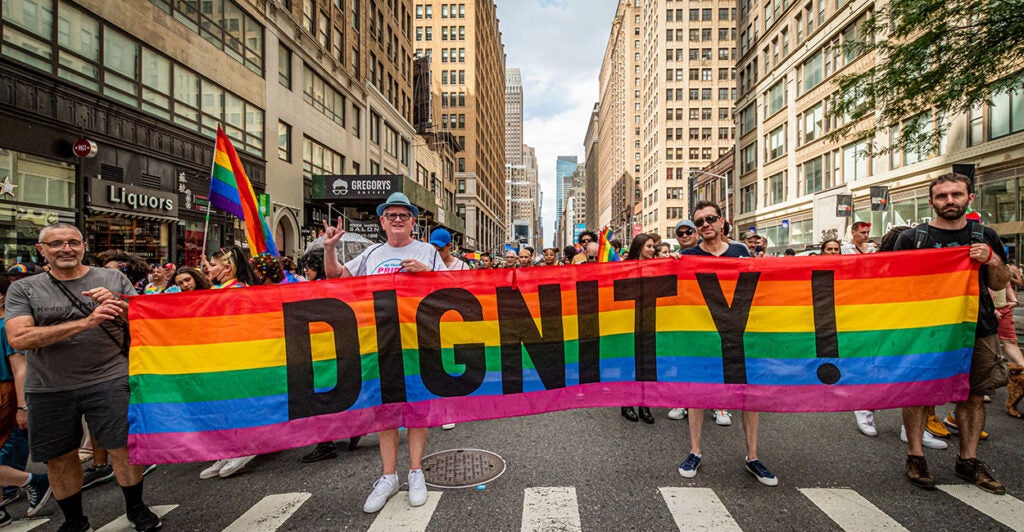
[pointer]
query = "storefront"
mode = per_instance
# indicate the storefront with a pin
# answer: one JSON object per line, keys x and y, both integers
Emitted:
{"x": 34, "y": 192}
{"x": 136, "y": 220}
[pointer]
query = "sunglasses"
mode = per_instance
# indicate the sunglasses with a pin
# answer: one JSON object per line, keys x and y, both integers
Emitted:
{"x": 392, "y": 216}
{"x": 687, "y": 232}
{"x": 585, "y": 241}
{"x": 710, "y": 219}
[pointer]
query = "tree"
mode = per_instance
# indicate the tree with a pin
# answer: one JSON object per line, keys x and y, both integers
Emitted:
{"x": 931, "y": 58}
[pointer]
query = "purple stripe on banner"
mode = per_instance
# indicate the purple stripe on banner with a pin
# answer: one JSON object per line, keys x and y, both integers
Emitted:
{"x": 161, "y": 448}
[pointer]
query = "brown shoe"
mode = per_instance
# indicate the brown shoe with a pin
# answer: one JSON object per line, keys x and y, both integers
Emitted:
{"x": 917, "y": 472}
{"x": 973, "y": 470}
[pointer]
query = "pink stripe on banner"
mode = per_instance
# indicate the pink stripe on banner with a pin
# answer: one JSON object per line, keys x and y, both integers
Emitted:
{"x": 214, "y": 445}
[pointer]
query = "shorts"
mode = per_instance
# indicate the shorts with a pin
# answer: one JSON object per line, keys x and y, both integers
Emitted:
{"x": 8, "y": 410}
{"x": 988, "y": 369}
{"x": 1006, "y": 328}
{"x": 55, "y": 418}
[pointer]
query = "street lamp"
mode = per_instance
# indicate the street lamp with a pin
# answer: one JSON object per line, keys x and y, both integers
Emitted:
{"x": 726, "y": 179}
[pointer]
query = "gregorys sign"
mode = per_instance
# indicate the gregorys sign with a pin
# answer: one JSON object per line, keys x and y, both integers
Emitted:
{"x": 355, "y": 187}
{"x": 131, "y": 199}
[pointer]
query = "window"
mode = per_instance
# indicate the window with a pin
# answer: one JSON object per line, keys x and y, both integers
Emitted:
{"x": 816, "y": 174}
{"x": 284, "y": 142}
{"x": 318, "y": 159}
{"x": 976, "y": 130}
{"x": 776, "y": 143}
{"x": 748, "y": 198}
{"x": 813, "y": 124}
{"x": 284, "y": 66}
{"x": 748, "y": 119}
{"x": 748, "y": 158}
{"x": 775, "y": 189}
{"x": 1006, "y": 115}
{"x": 322, "y": 96}
{"x": 855, "y": 162}
{"x": 812, "y": 73}
{"x": 777, "y": 97}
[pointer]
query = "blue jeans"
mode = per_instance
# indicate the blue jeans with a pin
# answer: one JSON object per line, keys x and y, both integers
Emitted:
{"x": 14, "y": 454}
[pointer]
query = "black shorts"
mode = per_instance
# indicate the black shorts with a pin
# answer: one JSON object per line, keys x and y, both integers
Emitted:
{"x": 55, "y": 418}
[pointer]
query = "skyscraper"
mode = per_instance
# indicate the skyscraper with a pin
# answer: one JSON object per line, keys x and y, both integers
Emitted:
{"x": 565, "y": 165}
{"x": 519, "y": 202}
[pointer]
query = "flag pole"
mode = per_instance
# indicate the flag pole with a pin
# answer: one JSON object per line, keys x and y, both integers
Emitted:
{"x": 209, "y": 205}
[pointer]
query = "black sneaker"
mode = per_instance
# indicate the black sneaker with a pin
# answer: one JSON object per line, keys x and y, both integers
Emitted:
{"x": 5, "y": 518}
{"x": 917, "y": 472}
{"x": 97, "y": 474}
{"x": 322, "y": 451}
{"x": 9, "y": 498}
{"x": 76, "y": 525}
{"x": 974, "y": 470}
{"x": 143, "y": 519}
{"x": 38, "y": 492}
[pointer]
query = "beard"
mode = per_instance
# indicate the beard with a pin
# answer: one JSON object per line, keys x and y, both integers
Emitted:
{"x": 952, "y": 212}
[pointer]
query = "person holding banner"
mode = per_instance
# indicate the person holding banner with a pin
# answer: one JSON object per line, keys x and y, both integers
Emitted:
{"x": 71, "y": 322}
{"x": 642, "y": 248}
{"x": 949, "y": 195}
{"x": 401, "y": 253}
{"x": 707, "y": 218}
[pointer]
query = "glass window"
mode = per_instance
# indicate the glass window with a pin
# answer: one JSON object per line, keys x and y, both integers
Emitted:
{"x": 777, "y": 97}
{"x": 120, "y": 60}
{"x": 156, "y": 83}
{"x": 776, "y": 186}
{"x": 284, "y": 142}
{"x": 284, "y": 66}
{"x": 813, "y": 123}
{"x": 855, "y": 162}
{"x": 777, "y": 143}
{"x": 812, "y": 71}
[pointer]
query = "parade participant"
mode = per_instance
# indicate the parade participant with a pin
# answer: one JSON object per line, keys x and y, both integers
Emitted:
{"x": 568, "y": 254}
{"x": 663, "y": 250}
{"x": 708, "y": 219}
{"x": 441, "y": 239}
{"x": 525, "y": 257}
{"x": 288, "y": 265}
{"x": 949, "y": 195}
{"x": 229, "y": 268}
{"x": 266, "y": 269}
{"x": 160, "y": 281}
{"x": 616, "y": 245}
{"x": 511, "y": 258}
{"x": 585, "y": 239}
{"x": 133, "y": 267}
{"x": 831, "y": 246}
{"x": 400, "y": 253}
{"x": 550, "y": 256}
{"x": 686, "y": 236}
{"x": 189, "y": 279}
{"x": 641, "y": 248}
{"x": 790, "y": 252}
{"x": 859, "y": 243}
{"x": 486, "y": 261}
{"x": 590, "y": 252}
{"x": 71, "y": 323}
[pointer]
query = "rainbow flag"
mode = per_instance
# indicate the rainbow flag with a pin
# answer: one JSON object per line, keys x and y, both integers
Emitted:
{"x": 261, "y": 369}
{"x": 231, "y": 191}
{"x": 606, "y": 253}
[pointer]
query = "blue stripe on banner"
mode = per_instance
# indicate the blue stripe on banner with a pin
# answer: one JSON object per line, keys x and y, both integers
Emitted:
{"x": 253, "y": 412}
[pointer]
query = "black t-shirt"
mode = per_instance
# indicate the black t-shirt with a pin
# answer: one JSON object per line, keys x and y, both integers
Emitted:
{"x": 988, "y": 324}
{"x": 734, "y": 250}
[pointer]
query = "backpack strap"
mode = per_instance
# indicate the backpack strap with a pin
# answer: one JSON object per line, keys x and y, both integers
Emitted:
{"x": 920, "y": 235}
{"x": 977, "y": 232}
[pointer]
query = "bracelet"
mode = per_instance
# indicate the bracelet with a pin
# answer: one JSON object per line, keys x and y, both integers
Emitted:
{"x": 989, "y": 257}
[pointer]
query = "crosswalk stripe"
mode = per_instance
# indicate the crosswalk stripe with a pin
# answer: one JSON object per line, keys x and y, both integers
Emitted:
{"x": 698, "y": 509}
{"x": 1003, "y": 508}
{"x": 850, "y": 510}
{"x": 398, "y": 515}
{"x": 121, "y": 524}
{"x": 25, "y": 525}
{"x": 270, "y": 513}
{"x": 550, "y": 509}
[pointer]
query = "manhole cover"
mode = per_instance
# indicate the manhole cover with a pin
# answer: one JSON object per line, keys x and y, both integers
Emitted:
{"x": 462, "y": 468}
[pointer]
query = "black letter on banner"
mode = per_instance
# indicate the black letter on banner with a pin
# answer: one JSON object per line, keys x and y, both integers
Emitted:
{"x": 518, "y": 331}
{"x": 303, "y": 400}
{"x": 826, "y": 335}
{"x": 389, "y": 347}
{"x": 645, "y": 291}
{"x": 588, "y": 318}
{"x": 731, "y": 322}
{"x": 428, "y": 331}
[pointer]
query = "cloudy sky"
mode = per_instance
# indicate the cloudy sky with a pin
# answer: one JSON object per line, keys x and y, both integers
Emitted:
{"x": 558, "y": 45}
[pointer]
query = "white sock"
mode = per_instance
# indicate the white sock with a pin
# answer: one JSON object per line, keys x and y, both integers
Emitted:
{"x": 27, "y": 482}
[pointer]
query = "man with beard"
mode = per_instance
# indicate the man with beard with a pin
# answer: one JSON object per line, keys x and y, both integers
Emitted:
{"x": 949, "y": 195}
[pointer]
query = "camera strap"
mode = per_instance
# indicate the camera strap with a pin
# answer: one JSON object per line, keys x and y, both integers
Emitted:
{"x": 80, "y": 306}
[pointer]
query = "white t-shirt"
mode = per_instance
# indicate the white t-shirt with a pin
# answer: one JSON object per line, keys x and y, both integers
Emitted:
{"x": 458, "y": 265}
{"x": 384, "y": 258}
{"x": 848, "y": 248}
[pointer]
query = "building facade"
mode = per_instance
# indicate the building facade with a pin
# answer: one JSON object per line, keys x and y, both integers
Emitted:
{"x": 468, "y": 78}
{"x": 590, "y": 150}
{"x": 536, "y": 197}
{"x": 789, "y": 178}
{"x": 520, "y": 198}
{"x": 565, "y": 165}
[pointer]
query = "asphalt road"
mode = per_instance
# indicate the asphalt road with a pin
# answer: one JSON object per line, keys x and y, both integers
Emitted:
{"x": 616, "y": 469}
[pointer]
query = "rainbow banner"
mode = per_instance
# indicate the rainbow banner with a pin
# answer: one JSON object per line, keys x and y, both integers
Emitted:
{"x": 231, "y": 191}
{"x": 217, "y": 374}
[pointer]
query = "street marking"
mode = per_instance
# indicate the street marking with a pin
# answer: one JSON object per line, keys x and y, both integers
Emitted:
{"x": 270, "y": 513}
{"x": 850, "y": 510}
{"x": 1003, "y": 508}
{"x": 398, "y": 515}
{"x": 121, "y": 524}
{"x": 25, "y": 525}
{"x": 554, "y": 509}
{"x": 698, "y": 509}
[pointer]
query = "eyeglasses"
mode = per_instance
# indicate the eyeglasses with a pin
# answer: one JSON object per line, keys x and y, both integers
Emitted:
{"x": 710, "y": 219}
{"x": 687, "y": 232}
{"x": 59, "y": 244}
{"x": 392, "y": 216}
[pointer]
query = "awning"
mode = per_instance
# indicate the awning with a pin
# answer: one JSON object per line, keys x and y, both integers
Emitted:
{"x": 137, "y": 215}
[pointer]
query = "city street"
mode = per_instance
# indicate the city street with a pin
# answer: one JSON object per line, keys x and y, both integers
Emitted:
{"x": 622, "y": 476}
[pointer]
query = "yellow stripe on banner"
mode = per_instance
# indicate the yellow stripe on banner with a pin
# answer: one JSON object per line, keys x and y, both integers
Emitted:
{"x": 910, "y": 315}
{"x": 221, "y": 159}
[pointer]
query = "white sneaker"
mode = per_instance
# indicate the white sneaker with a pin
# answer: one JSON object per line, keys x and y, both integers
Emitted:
{"x": 927, "y": 439}
{"x": 417, "y": 488}
{"x": 866, "y": 422}
{"x": 723, "y": 418}
{"x": 213, "y": 470}
{"x": 677, "y": 413}
{"x": 385, "y": 488}
{"x": 235, "y": 465}
{"x": 448, "y": 426}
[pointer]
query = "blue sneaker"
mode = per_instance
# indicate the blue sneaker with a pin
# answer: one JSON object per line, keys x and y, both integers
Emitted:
{"x": 689, "y": 466}
{"x": 763, "y": 475}
{"x": 38, "y": 492}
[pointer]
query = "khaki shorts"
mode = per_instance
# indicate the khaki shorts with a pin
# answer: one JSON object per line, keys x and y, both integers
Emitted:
{"x": 988, "y": 369}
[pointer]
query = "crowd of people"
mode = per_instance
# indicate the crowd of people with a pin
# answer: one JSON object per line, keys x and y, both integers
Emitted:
{"x": 78, "y": 307}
